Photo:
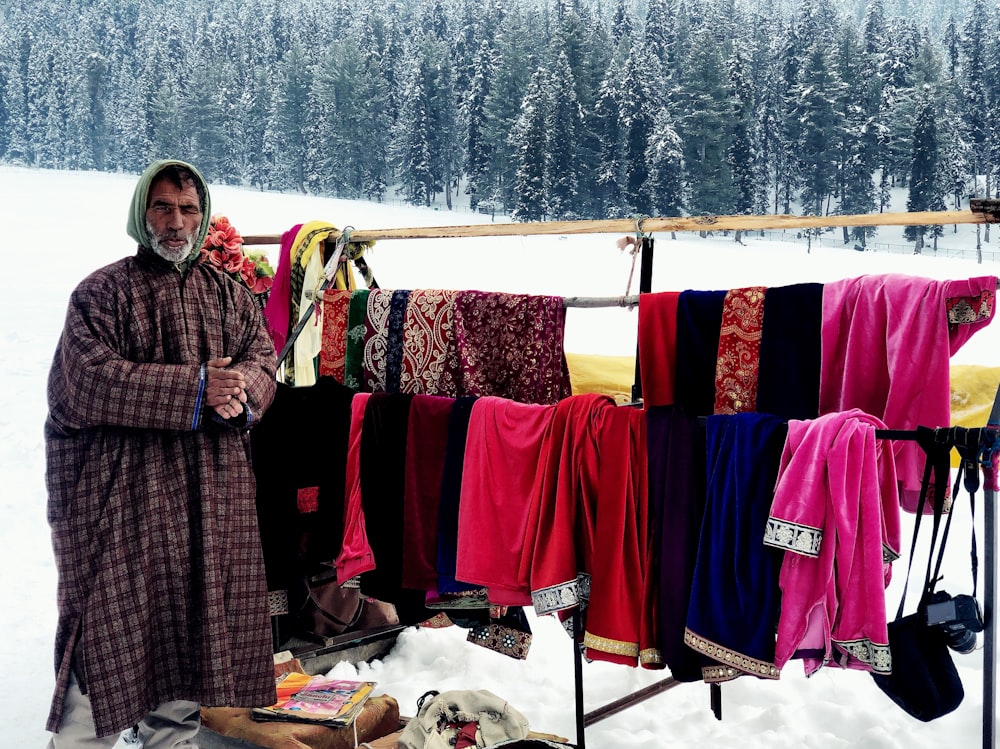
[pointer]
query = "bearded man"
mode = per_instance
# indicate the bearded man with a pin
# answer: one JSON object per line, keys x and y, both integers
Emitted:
{"x": 162, "y": 366}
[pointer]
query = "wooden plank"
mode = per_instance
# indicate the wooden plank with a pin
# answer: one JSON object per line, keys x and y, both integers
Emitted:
{"x": 649, "y": 225}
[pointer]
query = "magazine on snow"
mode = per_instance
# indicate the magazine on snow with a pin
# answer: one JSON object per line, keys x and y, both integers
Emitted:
{"x": 316, "y": 699}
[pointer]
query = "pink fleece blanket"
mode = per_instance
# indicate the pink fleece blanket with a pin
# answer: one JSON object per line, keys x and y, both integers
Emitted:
{"x": 836, "y": 514}
{"x": 887, "y": 341}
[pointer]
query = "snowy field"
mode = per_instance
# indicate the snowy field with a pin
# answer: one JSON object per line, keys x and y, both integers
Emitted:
{"x": 61, "y": 225}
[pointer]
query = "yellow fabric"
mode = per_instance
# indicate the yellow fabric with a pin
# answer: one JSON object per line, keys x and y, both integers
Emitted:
{"x": 607, "y": 375}
{"x": 973, "y": 388}
{"x": 322, "y": 229}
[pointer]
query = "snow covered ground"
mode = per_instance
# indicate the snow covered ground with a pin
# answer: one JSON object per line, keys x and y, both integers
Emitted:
{"x": 58, "y": 226}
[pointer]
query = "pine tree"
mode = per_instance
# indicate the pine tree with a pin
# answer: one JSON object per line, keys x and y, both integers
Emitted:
{"x": 563, "y": 123}
{"x": 924, "y": 193}
{"x": 287, "y": 141}
{"x": 478, "y": 148}
{"x": 528, "y": 138}
{"x": 821, "y": 127}
{"x": 704, "y": 123}
{"x": 665, "y": 184}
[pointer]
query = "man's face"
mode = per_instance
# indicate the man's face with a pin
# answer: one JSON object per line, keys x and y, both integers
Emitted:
{"x": 173, "y": 219}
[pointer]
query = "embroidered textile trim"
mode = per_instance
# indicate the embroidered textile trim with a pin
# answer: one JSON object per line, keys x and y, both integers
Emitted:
{"x": 877, "y": 657}
{"x": 801, "y": 539}
{"x": 964, "y": 310}
{"x": 562, "y": 595}
{"x": 729, "y": 660}
{"x": 738, "y": 363}
{"x": 501, "y": 639}
{"x": 555, "y": 598}
{"x": 607, "y": 645}
{"x": 650, "y": 656}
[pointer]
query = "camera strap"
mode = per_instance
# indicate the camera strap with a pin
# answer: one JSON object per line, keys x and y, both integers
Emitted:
{"x": 938, "y": 449}
{"x": 968, "y": 444}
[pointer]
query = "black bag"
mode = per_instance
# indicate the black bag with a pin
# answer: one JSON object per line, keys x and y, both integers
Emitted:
{"x": 924, "y": 680}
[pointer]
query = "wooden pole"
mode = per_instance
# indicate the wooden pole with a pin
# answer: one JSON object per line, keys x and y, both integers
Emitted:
{"x": 649, "y": 225}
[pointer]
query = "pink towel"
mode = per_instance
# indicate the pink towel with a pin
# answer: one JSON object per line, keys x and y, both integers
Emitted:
{"x": 836, "y": 514}
{"x": 887, "y": 341}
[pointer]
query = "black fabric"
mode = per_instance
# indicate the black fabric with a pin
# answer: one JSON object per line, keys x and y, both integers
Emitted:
{"x": 676, "y": 463}
{"x": 301, "y": 442}
{"x": 383, "y": 472}
{"x": 699, "y": 320}
{"x": 451, "y": 492}
{"x": 790, "y": 351}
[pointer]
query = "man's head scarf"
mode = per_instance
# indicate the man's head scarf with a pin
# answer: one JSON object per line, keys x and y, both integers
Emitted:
{"x": 140, "y": 202}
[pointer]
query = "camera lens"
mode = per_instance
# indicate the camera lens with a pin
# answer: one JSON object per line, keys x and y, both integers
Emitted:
{"x": 962, "y": 640}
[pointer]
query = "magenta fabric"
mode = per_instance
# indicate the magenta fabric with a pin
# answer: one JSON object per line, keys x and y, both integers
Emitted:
{"x": 887, "y": 341}
{"x": 511, "y": 346}
{"x": 836, "y": 515}
{"x": 502, "y": 454}
{"x": 278, "y": 310}
{"x": 355, "y": 552}
{"x": 427, "y": 437}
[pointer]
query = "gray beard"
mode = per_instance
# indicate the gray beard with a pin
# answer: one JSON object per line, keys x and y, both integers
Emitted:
{"x": 168, "y": 254}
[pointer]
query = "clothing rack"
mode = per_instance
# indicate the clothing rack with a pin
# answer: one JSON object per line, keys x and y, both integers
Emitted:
{"x": 981, "y": 212}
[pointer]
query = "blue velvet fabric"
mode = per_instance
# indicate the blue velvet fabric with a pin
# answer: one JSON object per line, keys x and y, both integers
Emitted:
{"x": 790, "y": 347}
{"x": 735, "y": 594}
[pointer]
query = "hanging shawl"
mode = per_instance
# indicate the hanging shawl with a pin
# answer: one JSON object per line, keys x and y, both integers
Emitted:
{"x": 426, "y": 440}
{"x": 430, "y": 361}
{"x": 376, "y": 341}
{"x": 699, "y": 319}
{"x": 562, "y": 517}
{"x": 355, "y": 552}
{"x": 738, "y": 360}
{"x": 355, "y": 351}
{"x": 333, "y": 353}
{"x": 886, "y": 345}
{"x": 394, "y": 344}
{"x": 451, "y": 492}
{"x": 277, "y": 311}
{"x": 511, "y": 345}
{"x": 615, "y": 616}
{"x": 836, "y": 516}
{"x": 502, "y": 453}
{"x": 734, "y": 595}
{"x": 658, "y": 347}
{"x": 788, "y": 380}
{"x": 676, "y": 448}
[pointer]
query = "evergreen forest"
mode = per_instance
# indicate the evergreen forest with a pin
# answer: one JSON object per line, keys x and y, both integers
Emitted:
{"x": 545, "y": 109}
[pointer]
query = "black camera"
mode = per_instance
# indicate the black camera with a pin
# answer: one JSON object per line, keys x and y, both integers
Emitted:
{"x": 959, "y": 617}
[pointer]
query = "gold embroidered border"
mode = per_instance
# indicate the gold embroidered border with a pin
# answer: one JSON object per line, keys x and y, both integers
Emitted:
{"x": 877, "y": 657}
{"x": 729, "y": 659}
{"x": 651, "y": 657}
{"x": 607, "y": 645}
{"x": 801, "y": 539}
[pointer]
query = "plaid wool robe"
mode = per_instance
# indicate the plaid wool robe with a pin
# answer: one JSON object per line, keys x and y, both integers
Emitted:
{"x": 151, "y": 501}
